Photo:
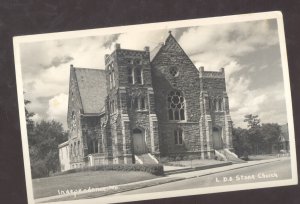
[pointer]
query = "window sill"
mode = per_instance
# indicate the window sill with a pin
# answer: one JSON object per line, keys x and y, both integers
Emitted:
{"x": 177, "y": 121}
{"x": 142, "y": 111}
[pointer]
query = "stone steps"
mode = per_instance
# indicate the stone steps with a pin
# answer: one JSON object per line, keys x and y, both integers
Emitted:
{"x": 230, "y": 156}
{"x": 145, "y": 159}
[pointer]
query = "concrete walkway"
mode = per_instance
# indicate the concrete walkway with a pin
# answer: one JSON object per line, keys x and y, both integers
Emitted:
{"x": 162, "y": 180}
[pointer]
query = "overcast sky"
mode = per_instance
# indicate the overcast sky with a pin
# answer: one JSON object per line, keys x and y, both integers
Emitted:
{"x": 248, "y": 51}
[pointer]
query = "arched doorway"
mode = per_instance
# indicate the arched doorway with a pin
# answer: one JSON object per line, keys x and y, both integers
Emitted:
{"x": 217, "y": 138}
{"x": 139, "y": 144}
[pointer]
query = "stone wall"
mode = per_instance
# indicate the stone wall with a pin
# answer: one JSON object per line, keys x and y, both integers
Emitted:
{"x": 76, "y": 151}
{"x": 215, "y": 106}
{"x": 127, "y": 115}
{"x": 186, "y": 80}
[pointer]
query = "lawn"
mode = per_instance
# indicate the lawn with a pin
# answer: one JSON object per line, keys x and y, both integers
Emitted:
{"x": 49, "y": 186}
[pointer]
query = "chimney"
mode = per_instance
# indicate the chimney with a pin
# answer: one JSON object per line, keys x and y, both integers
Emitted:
{"x": 117, "y": 46}
{"x": 146, "y": 48}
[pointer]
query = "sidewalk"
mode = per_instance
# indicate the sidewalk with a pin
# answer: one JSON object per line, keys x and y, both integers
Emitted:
{"x": 205, "y": 172}
{"x": 157, "y": 181}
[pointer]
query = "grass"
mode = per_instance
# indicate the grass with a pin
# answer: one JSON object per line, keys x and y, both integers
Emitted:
{"x": 49, "y": 186}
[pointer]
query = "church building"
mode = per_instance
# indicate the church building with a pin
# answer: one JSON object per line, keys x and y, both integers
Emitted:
{"x": 146, "y": 105}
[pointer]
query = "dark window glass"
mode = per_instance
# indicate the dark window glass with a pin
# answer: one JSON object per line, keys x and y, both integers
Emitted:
{"x": 138, "y": 75}
{"x": 182, "y": 114}
{"x": 78, "y": 147}
{"x": 171, "y": 114}
{"x": 220, "y": 105}
{"x": 173, "y": 71}
{"x": 96, "y": 146}
{"x": 135, "y": 103}
{"x": 143, "y": 105}
{"x": 178, "y": 136}
{"x": 129, "y": 75}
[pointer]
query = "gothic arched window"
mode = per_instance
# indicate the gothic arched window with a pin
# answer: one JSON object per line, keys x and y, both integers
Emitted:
{"x": 176, "y": 106}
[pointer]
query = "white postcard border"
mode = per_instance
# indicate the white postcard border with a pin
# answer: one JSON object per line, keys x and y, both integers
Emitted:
{"x": 156, "y": 26}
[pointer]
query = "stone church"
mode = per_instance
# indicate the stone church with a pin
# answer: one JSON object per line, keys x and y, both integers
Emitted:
{"x": 143, "y": 106}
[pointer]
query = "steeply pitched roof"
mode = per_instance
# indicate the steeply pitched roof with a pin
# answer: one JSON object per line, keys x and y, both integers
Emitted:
{"x": 170, "y": 45}
{"x": 92, "y": 89}
{"x": 154, "y": 52}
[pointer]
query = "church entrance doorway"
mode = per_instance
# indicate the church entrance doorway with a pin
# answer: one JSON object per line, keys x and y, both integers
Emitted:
{"x": 217, "y": 138}
{"x": 139, "y": 144}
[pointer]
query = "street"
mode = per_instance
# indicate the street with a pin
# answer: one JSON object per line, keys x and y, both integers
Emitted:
{"x": 277, "y": 170}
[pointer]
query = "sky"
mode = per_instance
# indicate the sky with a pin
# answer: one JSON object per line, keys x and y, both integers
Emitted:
{"x": 248, "y": 51}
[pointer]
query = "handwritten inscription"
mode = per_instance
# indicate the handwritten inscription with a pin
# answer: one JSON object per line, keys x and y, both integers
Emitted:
{"x": 249, "y": 177}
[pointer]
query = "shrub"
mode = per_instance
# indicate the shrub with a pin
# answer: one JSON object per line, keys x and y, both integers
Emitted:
{"x": 178, "y": 158}
{"x": 164, "y": 160}
{"x": 155, "y": 169}
{"x": 185, "y": 157}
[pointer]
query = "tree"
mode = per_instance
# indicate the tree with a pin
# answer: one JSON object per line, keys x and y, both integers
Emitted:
{"x": 254, "y": 134}
{"x": 270, "y": 133}
{"x": 46, "y": 137}
{"x": 28, "y": 116}
{"x": 252, "y": 120}
{"x": 241, "y": 142}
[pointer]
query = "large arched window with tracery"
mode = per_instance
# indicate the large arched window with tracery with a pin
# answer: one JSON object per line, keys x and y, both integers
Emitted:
{"x": 176, "y": 106}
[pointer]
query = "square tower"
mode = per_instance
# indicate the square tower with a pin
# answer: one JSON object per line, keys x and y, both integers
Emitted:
{"x": 130, "y": 105}
{"x": 216, "y": 122}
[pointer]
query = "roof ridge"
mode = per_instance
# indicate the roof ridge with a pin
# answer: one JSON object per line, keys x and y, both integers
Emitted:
{"x": 89, "y": 68}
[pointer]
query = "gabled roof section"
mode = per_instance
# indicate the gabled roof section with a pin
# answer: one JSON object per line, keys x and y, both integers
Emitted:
{"x": 92, "y": 89}
{"x": 154, "y": 52}
{"x": 171, "y": 45}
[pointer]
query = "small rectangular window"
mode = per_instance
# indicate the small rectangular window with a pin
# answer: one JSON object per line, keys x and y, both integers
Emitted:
{"x": 143, "y": 105}
{"x": 138, "y": 75}
{"x": 135, "y": 103}
{"x": 113, "y": 79}
{"x": 110, "y": 81}
{"x": 178, "y": 137}
{"x": 129, "y": 75}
